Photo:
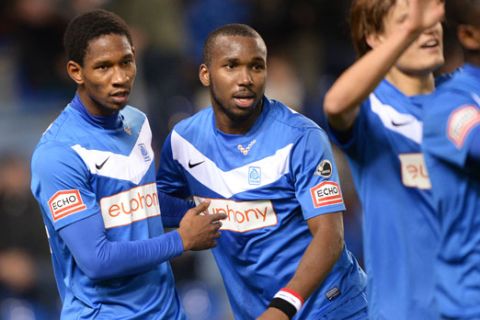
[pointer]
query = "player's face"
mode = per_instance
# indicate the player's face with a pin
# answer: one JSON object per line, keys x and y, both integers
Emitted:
{"x": 236, "y": 78}
{"x": 426, "y": 53}
{"x": 107, "y": 74}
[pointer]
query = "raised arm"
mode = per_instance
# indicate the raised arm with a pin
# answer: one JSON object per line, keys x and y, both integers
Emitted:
{"x": 342, "y": 101}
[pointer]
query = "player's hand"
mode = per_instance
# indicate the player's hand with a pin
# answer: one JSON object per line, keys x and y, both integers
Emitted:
{"x": 200, "y": 231}
{"x": 424, "y": 14}
{"x": 273, "y": 314}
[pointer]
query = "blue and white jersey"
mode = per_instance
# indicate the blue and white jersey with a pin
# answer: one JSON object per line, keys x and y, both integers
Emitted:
{"x": 400, "y": 230}
{"x": 83, "y": 167}
{"x": 448, "y": 133}
{"x": 268, "y": 181}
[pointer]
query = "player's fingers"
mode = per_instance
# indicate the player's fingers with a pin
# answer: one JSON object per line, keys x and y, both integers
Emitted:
{"x": 201, "y": 208}
{"x": 216, "y": 217}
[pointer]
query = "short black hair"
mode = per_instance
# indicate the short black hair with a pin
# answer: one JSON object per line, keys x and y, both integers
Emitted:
{"x": 233, "y": 29}
{"x": 88, "y": 26}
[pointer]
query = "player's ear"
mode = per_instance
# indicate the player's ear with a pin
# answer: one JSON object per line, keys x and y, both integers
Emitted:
{"x": 373, "y": 40}
{"x": 75, "y": 71}
{"x": 468, "y": 36}
{"x": 204, "y": 75}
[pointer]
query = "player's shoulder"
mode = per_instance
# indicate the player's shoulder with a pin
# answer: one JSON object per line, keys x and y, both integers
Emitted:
{"x": 288, "y": 118}
{"x": 133, "y": 113}
{"x": 51, "y": 153}
{"x": 198, "y": 121}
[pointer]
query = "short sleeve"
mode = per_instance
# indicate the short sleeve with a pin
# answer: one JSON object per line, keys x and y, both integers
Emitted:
{"x": 60, "y": 183}
{"x": 317, "y": 185}
{"x": 449, "y": 126}
{"x": 349, "y": 141}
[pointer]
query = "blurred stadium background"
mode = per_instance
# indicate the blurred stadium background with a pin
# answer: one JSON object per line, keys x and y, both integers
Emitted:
{"x": 308, "y": 42}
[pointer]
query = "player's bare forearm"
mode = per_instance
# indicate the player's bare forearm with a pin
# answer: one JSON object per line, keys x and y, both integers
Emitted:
{"x": 321, "y": 255}
{"x": 342, "y": 100}
{"x": 317, "y": 261}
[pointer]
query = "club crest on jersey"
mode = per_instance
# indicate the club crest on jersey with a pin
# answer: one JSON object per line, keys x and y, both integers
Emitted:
{"x": 460, "y": 122}
{"x": 64, "y": 203}
{"x": 324, "y": 169}
{"x": 144, "y": 152}
{"x": 254, "y": 175}
{"x": 326, "y": 193}
{"x": 246, "y": 150}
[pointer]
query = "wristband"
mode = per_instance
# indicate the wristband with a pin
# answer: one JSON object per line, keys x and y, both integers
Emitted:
{"x": 288, "y": 301}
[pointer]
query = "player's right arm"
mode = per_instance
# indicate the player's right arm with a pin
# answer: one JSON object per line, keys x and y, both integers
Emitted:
{"x": 343, "y": 99}
{"x": 60, "y": 182}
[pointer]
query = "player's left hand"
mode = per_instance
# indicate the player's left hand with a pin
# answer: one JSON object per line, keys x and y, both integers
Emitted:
{"x": 273, "y": 314}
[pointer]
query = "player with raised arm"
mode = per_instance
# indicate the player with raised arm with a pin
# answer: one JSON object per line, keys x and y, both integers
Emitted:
{"x": 93, "y": 175}
{"x": 452, "y": 153}
{"x": 374, "y": 112}
{"x": 271, "y": 170}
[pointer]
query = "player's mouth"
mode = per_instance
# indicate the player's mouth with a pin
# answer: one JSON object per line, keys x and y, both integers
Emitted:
{"x": 120, "y": 97}
{"x": 431, "y": 44}
{"x": 244, "y": 100}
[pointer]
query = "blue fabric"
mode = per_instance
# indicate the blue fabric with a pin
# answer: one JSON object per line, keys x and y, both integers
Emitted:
{"x": 400, "y": 228}
{"x": 268, "y": 181}
{"x": 101, "y": 259}
{"x": 451, "y": 143}
{"x": 94, "y": 178}
{"x": 173, "y": 209}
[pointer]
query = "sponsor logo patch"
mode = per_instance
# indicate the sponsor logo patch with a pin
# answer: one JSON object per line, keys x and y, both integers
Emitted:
{"x": 324, "y": 169}
{"x": 242, "y": 216}
{"x": 129, "y": 206}
{"x": 414, "y": 172}
{"x": 326, "y": 193}
{"x": 460, "y": 122}
{"x": 64, "y": 203}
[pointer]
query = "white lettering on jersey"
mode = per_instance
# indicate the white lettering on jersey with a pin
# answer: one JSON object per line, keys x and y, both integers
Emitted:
{"x": 131, "y": 168}
{"x": 414, "y": 171}
{"x": 326, "y": 193}
{"x": 402, "y": 123}
{"x": 242, "y": 216}
{"x": 65, "y": 202}
{"x": 129, "y": 206}
{"x": 228, "y": 183}
{"x": 460, "y": 122}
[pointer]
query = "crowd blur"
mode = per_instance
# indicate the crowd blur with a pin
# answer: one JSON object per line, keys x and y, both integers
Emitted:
{"x": 308, "y": 42}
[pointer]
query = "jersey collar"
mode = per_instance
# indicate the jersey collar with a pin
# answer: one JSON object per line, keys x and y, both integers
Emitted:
{"x": 108, "y": 122}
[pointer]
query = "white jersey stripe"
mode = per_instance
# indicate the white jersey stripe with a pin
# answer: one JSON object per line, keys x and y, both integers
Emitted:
{"x": 402, "y": 123}
{"x": 131, "y": 168}
{"x": 229, "y": 183}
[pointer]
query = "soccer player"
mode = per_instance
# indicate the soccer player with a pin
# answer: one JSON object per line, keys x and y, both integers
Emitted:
{"x": 93, "y": 175}
{"x": 271, "y": 170}
{"x": 452, "y": 153}
{"x": 374, "y": 112}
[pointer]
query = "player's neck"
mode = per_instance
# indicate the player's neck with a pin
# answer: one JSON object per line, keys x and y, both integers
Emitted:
{"x": 411, "y": 85}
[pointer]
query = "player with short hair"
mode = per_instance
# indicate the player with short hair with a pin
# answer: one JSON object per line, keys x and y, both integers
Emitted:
{"x": 374, "y": 112}
{"x": 93, "y": 174}
{"x": 271, "y": 170}
{"x": 452, "y": 153}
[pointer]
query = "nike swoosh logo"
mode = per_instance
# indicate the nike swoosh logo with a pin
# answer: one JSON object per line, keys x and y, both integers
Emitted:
{"x": 100, "y": 166}
{"x": 400, "y": 124}
{"x": 192, "y": 165}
